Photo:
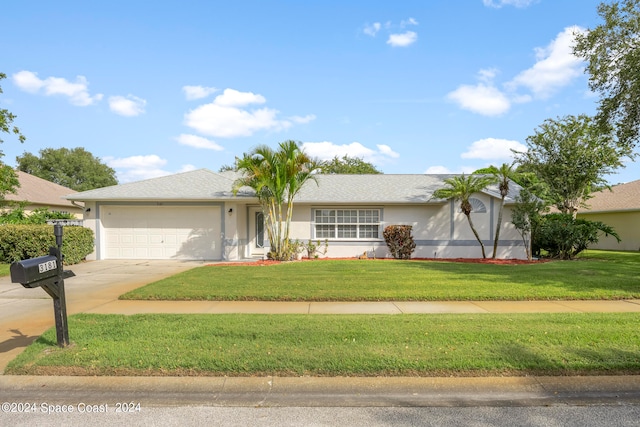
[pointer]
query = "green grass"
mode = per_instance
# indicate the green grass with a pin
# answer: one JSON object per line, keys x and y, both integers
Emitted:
{"x": 4, "y": 269}
{"x": 596, "y": 275}
{"x": 354, "y": 345}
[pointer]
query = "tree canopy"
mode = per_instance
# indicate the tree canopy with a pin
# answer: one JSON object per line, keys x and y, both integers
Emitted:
{"x": 8, "y": 178}
{"x": 74, "y": 168}
{"x": 612, "y": 52}
{"x": 348, "y": 165}
{"x": 570, "y": 155}
{"x": 7, "y": 118}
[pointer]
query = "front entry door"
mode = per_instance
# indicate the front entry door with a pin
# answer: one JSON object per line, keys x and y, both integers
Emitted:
{"x": 257, "y": 232}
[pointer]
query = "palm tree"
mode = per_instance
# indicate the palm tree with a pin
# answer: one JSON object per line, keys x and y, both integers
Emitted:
{"x": 461, "y": 188}
{"x": 276, "y": 177}
{"x": 503, "y": 176}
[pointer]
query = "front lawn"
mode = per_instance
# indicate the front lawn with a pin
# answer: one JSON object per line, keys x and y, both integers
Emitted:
{"x": 596, "y": 275}
{"x": 345, "y": 345}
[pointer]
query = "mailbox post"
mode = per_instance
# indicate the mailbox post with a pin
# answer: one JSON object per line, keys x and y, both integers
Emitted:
{"x": 47, "y": 272}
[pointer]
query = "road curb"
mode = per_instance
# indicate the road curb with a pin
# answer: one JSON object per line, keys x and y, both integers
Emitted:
{"x": 323, "y": 391}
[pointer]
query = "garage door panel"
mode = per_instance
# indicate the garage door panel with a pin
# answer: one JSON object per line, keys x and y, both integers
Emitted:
{"x": 162, "y": 232}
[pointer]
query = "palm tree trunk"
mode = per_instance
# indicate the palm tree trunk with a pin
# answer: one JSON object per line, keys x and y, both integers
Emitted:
{"x": 498, "y": 226}
{"x": 475, "y": 233}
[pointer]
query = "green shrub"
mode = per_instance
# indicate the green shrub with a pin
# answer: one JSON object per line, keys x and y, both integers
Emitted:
{"x": 19, "y": 241}
{"x": 564, "y": 237}
{"x": 399, "y": 241}
{"x": 17, "y": 215}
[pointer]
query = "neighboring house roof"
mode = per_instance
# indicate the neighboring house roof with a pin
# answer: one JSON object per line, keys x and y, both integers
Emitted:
{"x": 203, "y": 184}
{"x": 38, "y": 191}
{"x": 622, "y": 197}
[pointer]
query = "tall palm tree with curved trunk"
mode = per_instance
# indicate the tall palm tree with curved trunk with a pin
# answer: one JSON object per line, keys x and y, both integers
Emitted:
{"x": 276, "y": 177}
{"x": 503, "y": 175}
{"x": 461, "y": 188}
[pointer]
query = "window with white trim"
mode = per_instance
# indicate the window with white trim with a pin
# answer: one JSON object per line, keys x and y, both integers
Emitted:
{"x": 346, "y": 223}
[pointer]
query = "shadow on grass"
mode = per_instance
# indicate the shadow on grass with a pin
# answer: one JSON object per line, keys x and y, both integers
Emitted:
{"x": 609, "y": 361}
{"x": 574, "y": 275}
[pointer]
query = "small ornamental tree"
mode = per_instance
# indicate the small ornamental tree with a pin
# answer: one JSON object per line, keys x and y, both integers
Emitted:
{"x": 399, "y": 241}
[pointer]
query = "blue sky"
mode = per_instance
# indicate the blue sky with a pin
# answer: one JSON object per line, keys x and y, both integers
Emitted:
{"x": 159, "y": 87}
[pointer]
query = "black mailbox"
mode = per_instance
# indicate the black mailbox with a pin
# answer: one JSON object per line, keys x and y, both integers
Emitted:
{"x": 46, "y": 272}
{"x": 32, "y": 273}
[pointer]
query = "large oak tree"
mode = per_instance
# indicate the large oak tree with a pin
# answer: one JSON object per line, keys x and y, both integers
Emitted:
{"x": 612, "y": 52}
{"x": 75, "y": 168}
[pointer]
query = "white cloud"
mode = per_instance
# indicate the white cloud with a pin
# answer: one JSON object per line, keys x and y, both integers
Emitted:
{"x": 387, "y": 151}
{"x": 493, "y": 149}
{"x": 198, "y": 142}
{"x": 482, "y": 98}
{"x": 372, "y": 30}
{"x": 328, "y": 150}
{"x": 149, "y": 161}
{"x": 215, "y": 120}
{"x": 487, "y": 75}
{"x": 28, "y": 81}
{"x": 499, "y": 3}
{"x": 128, "y": 106}
{"x": 556, "y": 66}
{"x": 437, "y": 170}
{"x": 186, "y": 168}
{"x": 136, "y": 168}
{"x": 302, "y": 120}
{"x": 197, "y": 92}
{"x": 225, "y": 118}
{"x": 410, "y": 21}
{"x": 77, "y": 92}
{"x": 234, "y": 98}
{"x": 395, "y": 39}
{"x": 402, "y": 40}
{"x": 446, "y": 170}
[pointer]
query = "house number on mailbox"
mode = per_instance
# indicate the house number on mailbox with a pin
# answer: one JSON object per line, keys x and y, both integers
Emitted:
{"x": 47, "y": 266}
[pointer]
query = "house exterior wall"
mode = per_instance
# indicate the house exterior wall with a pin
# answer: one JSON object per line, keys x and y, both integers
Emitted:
{"x": 626, "y": 224}
{"x": 89, "y": 221}
{"x": 439, "y": 231}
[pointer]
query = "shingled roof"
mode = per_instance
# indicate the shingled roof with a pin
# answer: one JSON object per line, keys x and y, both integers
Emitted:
{"x": 621, "y": 198}
{"x": 203, "y": 185}
{"x": 38, "y": 191}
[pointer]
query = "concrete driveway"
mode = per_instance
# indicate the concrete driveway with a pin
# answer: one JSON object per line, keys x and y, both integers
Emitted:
{"x": 26, "y": 313}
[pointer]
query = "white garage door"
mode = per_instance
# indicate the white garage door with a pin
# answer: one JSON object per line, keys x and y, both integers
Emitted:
{"x": 162, "y": 232}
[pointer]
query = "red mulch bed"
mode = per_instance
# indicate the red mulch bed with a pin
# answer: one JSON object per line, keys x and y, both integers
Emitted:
{"x": 466, "y": 260}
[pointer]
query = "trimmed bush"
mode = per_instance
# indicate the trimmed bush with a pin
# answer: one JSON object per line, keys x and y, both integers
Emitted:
{"x": 564, "y": 237}
{"x": 19, "y": 242}
{"x": 399, "y": 241}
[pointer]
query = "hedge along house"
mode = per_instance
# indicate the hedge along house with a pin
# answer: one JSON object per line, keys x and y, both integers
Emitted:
{"x": 195, "y": 215}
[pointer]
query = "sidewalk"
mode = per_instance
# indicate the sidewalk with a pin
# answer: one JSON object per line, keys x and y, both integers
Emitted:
{"x": 390, "y": 307}
{"x": 26, "y": 313}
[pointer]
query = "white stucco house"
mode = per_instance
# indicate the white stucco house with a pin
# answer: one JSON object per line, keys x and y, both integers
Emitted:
{"x": 195, "y": 215}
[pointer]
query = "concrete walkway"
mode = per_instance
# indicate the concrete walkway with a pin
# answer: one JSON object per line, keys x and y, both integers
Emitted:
{"x": 27, "y": 313}
{"x": 391, "y": 307}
